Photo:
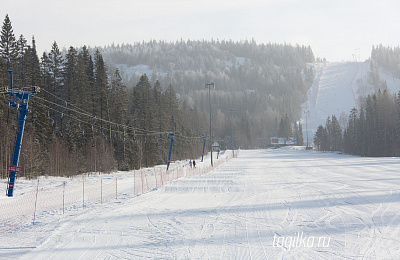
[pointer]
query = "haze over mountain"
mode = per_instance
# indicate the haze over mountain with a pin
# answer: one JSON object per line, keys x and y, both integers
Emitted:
{"x": 336, "y": 29}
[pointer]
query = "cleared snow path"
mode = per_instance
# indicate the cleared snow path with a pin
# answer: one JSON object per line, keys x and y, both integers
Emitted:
{"x": 266, "y": 204}
{"x": 333, "y": 92}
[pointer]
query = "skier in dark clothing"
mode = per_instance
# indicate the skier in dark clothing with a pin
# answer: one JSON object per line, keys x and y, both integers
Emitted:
{"x": 194, "y": 164}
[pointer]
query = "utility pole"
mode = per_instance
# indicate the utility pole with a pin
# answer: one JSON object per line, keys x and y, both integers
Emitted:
{"x": 18, "y": 99}
{"x": 171, "y": 136}
{"x": 306, "y": 111}
{"x": 204, "y": 146}
{"x": 233, "y": 139}
{"x": 208, "y": 85}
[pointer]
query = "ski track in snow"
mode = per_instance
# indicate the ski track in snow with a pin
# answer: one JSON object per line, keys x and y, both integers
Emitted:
{"x": 234, "y": 212}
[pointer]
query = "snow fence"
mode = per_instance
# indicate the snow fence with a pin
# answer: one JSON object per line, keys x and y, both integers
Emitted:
{"x": 57, "y": 196}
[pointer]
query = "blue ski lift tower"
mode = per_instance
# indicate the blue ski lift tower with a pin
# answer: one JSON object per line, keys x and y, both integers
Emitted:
{"x": 18, "y": 99}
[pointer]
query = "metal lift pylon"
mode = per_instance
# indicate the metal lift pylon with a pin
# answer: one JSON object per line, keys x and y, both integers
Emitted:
{"x": 18, "y": 99}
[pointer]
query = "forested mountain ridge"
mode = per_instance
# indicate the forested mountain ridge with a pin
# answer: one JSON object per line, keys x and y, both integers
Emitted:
{"x": 234, "y": 65}
{"x": 262, "y": 83}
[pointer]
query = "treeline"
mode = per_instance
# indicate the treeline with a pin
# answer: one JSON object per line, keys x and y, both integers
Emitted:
{"x": 235, "y": 66}
{"x": 286, "y": 129}
{"x": 329, "y": 138}
{"x": 261, "y": 83}
{"x": 371, "y": 130}
{"x": 85, "y": 119}
{"x": 387, "y": 57}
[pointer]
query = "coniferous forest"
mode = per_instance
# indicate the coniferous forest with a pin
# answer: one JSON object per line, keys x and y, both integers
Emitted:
{"x": 90, "y": 116}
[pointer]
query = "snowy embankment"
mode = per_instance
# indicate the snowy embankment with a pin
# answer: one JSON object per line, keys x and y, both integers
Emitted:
{"x": 283, "y": 203}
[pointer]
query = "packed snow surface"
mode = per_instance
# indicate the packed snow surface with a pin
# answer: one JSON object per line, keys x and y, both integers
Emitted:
{"x": 285, "y": 203}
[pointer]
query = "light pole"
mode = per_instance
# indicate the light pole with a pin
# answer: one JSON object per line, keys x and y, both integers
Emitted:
{"x": 208, "y": 85}
{"x": 359, "y": 58}
{"x": 233, "y": 139}
{"x": 306, "y": 111}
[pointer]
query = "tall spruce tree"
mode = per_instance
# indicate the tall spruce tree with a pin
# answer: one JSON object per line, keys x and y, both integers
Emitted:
{"x": 118, "y": 101}
{"x": 8, "y": 44}
{"x": 99, "y": 91}
{"x": 143, "y": 118}
{"x": 21, "y": 70}
{"x": 321, "y": 139}
{"x": 160, "y": 121}
{"x": 334, "y": 134}
{"x": 362, "y": 136}
{"x": 300, "y": 137}
{"x": 55, "y": 85}
{"x": 72, "y": 95}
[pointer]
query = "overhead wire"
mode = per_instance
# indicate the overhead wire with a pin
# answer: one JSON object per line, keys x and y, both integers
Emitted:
{"x": 89, "y": 115}
{"x": 95, "y": 126}
{"x": 76, "y": 109}
{"x": 73, "y": 108}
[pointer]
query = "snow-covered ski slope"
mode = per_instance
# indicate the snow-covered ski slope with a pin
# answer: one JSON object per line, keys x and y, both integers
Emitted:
{"x": 265, "y": 204}
{"x": 337, "y": 88}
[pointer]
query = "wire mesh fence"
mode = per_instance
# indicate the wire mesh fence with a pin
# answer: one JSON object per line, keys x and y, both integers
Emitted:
{"x": 86, "y": 190}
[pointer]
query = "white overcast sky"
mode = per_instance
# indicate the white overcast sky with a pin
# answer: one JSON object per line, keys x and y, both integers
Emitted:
{"x": 335, "y": 29}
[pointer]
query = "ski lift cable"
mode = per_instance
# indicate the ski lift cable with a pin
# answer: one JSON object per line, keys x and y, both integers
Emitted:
{"x": 139, "y": 133}
{"x": 72, "y": 105}
{"x": 149, "y": 132}
{"x": 93, "y": 117}
{"x": 76, "y": 109}
{"x": 106, "y": 121}
{"x": 83, "y": 121}
{"x": 65, "y": 107}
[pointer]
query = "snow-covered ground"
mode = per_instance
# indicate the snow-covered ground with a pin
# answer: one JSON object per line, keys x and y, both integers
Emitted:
{"x": 276, "y": 204}
{"x": 336, "y": 89}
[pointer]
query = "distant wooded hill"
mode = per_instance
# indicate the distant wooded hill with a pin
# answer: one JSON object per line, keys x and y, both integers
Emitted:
{"x": 262, "y": 83}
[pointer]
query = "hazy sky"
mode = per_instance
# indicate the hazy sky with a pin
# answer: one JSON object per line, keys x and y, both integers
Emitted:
{"x": 335, "y": 29}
